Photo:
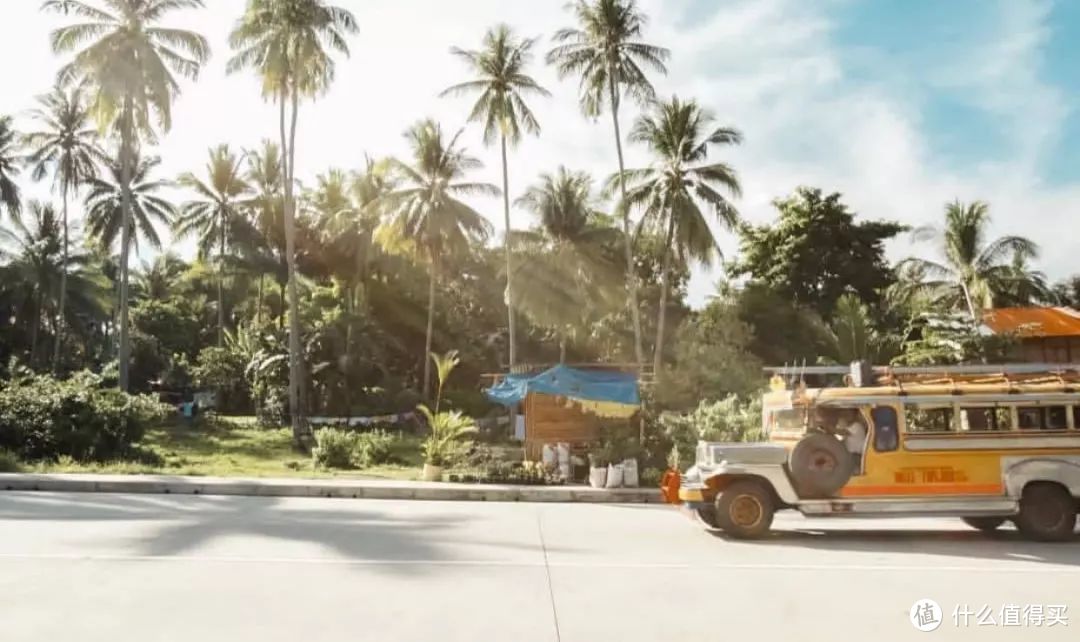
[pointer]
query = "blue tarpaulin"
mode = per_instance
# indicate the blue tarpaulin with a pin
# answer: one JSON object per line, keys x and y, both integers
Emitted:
{"x": 564, "y": 381}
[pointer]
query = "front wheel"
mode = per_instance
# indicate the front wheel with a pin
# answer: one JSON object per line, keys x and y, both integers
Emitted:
{"x": 984, "y": 524}
{"x": 1047, "y": 513}
{"x": 745, "y": 509}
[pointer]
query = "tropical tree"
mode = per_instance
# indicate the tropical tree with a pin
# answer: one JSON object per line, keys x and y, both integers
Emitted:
{"x": 109, "y": 204}
{"x": 500, "y": 79}
{"x": 34, "y": 270}
{"x": 424, "y": 213}
{"x": 975, "y": 270}
{"x": 129, "y": 63}
{"x": 67, "y": 147}
{"x": 287, "y": 43}
{"x": 10, "y": 163}
{"x": 604, "y": 51}
{"x": 263, "y": 243}
{"x": 679, "y": 134}
{"x": 569, "y": 267}
{"x": 159, "y": 279}
{"x": 213, "y": 213}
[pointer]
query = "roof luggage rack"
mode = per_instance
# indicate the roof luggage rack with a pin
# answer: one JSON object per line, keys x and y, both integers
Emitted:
{"x": 860, "y": 374}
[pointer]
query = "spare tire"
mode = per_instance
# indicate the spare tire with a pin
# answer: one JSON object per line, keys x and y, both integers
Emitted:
{"x": 820, "y": 465}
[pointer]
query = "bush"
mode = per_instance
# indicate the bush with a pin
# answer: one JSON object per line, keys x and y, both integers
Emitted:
{"x": 730, "y": 419}
{"x": 9, "y": 463}
{"x": 45, "y": 418}
{"x": 222, "y": 370}
{"x": 374, "y": 448}
{"x": 335, "y": 448}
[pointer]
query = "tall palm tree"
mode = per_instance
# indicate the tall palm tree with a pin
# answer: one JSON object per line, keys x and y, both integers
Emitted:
{"x": 263, "y": 244}
{"x": 214, "y": 213}
{"x": 67, "y": 147}
{"x": 424, "y": 213}
{"x": 679, "y": 133}
{"x": 567, "y": 271}
{"x": 129, "y": 61}
{"x": 975, "y": 270}
{"x": 10, "y": 163}
{"x": 108, "y": 205}
{"x": 501, "y": 81}
{"x": 287, "y": 43}
{"x": 159, "y": 279}
{"x": 604, "y": 51}
{"x": 35, "y": 268}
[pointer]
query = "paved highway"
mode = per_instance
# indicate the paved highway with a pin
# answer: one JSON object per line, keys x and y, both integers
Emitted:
{"x": 117, "y": 568}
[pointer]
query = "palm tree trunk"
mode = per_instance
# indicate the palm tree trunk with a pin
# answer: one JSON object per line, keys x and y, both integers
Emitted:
{"x": 628, "y": 243}
{"x": 509, "y": 271}
{"x": 295, "y": 411}
{"x": 968, "y": 301}
{"x": 35, "y": 325}
{"x": 126, "y": 134}
{"x": 221, "y": 289}
{"x": 259, "y": 305}
{"x": 430, "y": 324}
{"x": 562, "y": 349}
{"x": 658, "y": 351}
{"x": 63, "y": 283}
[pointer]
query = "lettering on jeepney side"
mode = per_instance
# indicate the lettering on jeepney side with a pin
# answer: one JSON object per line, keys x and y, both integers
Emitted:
{"x": 930, "y": 475}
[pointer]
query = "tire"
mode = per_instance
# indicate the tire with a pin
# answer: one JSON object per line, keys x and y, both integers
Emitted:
{"x": 745, "y": 509}
{"x": 1047, "y": 513}
{"x": 985, "y": 524}
{"x": 707, "y": 515}
{"x": 820, "y": 466}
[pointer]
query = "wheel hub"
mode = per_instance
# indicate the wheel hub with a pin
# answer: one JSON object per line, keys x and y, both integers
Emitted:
{"x": 746, "y": 511}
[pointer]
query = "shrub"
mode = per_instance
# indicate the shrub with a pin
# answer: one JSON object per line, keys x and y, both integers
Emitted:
{"x": 9, "y": 463}
{"x": 335, "y": 448}
{"x": 45, "y": 418}
{"x": 222, "y": 370}
{"x": 443, "y": 446}
{"x": 374, "y": 448}
{"x": 730, "y": 419}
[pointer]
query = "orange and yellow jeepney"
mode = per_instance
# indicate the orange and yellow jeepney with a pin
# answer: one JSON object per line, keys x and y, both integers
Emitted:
{"x": 984, "y": 443}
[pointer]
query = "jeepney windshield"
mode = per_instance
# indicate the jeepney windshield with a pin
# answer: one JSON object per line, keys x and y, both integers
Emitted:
{"x": 786, "y": 420}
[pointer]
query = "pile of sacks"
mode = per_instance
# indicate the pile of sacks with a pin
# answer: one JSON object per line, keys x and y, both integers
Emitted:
{"x": 558, "y": 460}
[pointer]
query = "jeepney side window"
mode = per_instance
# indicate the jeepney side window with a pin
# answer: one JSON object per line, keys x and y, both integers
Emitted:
{"x": 1055, "y": 418}
{"x": 886, "y": 428}
{"x": 788, "y": 420}
{"x": 922, "y": 419}
{"x": 985, "y": 418}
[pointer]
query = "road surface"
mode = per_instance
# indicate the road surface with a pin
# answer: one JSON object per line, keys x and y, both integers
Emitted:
{"x": 114, "y": 568}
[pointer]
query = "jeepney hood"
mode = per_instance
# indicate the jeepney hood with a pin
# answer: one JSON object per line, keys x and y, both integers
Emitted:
{"x": 715, "y": 453}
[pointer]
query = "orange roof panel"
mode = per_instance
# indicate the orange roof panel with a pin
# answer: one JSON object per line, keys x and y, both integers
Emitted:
{"x": 1034, "y": 322}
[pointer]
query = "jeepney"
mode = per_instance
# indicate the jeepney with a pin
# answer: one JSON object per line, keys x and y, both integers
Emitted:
{"x": 987, "y": 444}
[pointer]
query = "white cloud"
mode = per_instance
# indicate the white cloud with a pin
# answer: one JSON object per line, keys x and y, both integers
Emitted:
{"x": 770, "y": 67}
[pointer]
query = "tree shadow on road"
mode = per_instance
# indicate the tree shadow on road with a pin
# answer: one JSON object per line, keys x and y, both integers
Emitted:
{"x": 1002, "y": 545}
{"x": 365, "y": 535}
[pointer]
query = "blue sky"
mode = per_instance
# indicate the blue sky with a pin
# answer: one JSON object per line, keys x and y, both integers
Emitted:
{"x": 901, "y": 105}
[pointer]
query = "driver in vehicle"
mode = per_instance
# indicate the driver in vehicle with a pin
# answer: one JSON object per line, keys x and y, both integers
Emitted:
{"x": 850, "y": 426}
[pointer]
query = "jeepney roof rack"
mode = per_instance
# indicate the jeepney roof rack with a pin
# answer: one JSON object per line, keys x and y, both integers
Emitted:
{"x": 860, "y": 374}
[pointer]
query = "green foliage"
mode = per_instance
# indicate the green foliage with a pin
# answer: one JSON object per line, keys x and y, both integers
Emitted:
{"x": 335, "y": 448}
{"x": 732, "y": 419}
{"x": 44, "y": 418}
{"x": 443, "y": 446}
{"x": 222, "y": 370}
{"x": 783, "y": 332}
{"x": 374, "y": 447}
{"x": 947, "y": 339}
{"x": 817, "y": 252}
{"x": 712, "y": 359}
{"x": 856, "y": 338}
{"x": 9, "y": 463}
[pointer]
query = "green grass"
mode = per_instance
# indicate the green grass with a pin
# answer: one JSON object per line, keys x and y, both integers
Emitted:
{"x": 235, "y": 447}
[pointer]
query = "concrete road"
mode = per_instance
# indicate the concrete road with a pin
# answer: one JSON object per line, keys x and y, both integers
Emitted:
{"x": 152, "y": 568}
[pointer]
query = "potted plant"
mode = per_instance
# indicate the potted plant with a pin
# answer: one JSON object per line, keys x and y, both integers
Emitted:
{"x": 447, "y": 428}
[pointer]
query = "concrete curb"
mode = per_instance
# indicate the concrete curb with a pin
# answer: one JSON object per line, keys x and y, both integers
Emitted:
{"x": 345, "y": 488}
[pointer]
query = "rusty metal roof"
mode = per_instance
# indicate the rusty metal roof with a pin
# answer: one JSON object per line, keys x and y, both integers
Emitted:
{"x": 1034, "y": 322}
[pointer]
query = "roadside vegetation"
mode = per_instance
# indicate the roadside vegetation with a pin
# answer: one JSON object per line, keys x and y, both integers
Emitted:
{"x": 326, "y": 296}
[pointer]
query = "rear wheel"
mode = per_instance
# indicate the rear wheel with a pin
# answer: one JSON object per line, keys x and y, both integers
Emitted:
{"x": 1047, "y": 513}
{"x": 985, "y": 524}
{"x": 745, "y": 509}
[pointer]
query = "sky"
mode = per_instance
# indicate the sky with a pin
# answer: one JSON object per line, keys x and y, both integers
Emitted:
{"x": 900, "y": 105}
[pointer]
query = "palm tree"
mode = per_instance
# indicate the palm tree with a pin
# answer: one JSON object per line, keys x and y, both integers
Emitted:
{"x": 679, "y": 134}
{"x": 604, "y": 51}
{"x": 567, "y": 271}
{"x": 109, "y": 204}
{"x": 159, "y": 279}
{"x": 10, "y": 162}
{"x": 129, "y": 60}
{"x": 263, "y": 243}
{"x": 67, "y": 147}
{"x": 975, "y": 270}
{"x": 36, "y": 267}
{"x": 424, "y": 213}
{"x": 500, "y": 79}
{"x": 214, "y": 213}
{"x": 286, "y": 42}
